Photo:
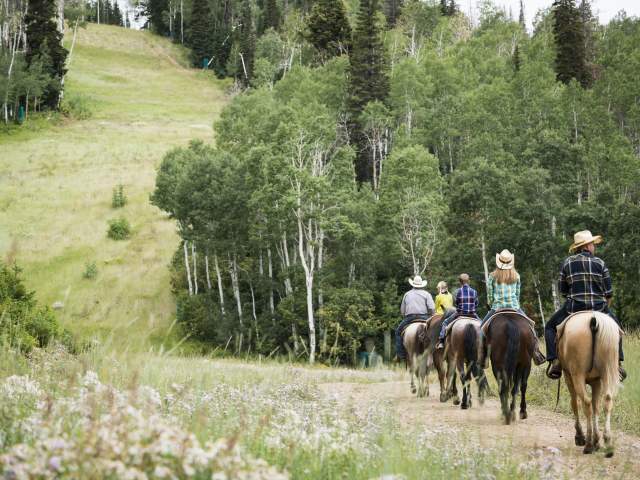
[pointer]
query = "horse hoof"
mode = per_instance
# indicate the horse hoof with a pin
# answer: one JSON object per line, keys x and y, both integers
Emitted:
{"x": 588, "y": 449}
{"x": 413, "y": 390}
{"x": 464, "y": 406}
{"x": 523, "y": 415}
{"x": 443, "y": 397}
{"x": 456, "y": 401}
{"x": 580, "y": 441}
{"x": 608, "y": 453}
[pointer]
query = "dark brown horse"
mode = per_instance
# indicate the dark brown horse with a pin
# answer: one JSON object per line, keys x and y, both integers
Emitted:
{"x": 420, "y": 341}
{"x": 512, "y": 344}
{"x": 464, "y": 354}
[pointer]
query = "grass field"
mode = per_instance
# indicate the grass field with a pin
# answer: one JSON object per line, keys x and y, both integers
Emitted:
{"x": 56, "y": 184}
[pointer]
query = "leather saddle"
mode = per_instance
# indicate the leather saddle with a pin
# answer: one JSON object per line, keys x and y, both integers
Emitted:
{"x": 426, "y": 321}
{"x": 485, "y": 327}
{"x": 454, "y": 321}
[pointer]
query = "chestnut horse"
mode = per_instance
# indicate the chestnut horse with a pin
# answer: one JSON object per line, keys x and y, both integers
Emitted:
{"x": 588, "y": 352}
{"x": 463, "y": 352}
{"x": 512, "y": 344}
{"x": 419, "y": 339}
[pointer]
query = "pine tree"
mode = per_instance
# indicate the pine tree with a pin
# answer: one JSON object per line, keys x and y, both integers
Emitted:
{"x": 271, "y": 17}
{"x": 117, "y": 14}
{"x": 392, "y": 10}
{"x": 444, "y": 9}
{"x": 452, "y": 8}
{"x": 247, "y": 44}
{"x": 369, "y": 80}
{"x": 589, "y": 25}
{"x": 45, "y": 40}
{"x": 329, "y": 29}
{"x": 517, "y": 62}
{"x": 569, "y": 38}
{"x": 521, "y": 19}
{"x": 201, "y": 37}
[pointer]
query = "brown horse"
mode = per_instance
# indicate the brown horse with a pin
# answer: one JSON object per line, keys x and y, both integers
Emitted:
{"x": 419, "y": 340}
{"x": 464, "y": 353}
{"x": 588, "y": 353}
{"x": 512, "y": 344}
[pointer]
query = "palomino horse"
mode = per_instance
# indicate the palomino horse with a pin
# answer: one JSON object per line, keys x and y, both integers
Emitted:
{"x": 588, "y": 352}
{"x": 464, "y": 353}
{"x": 512, "y": 345}
{"x": 419, "y": 340}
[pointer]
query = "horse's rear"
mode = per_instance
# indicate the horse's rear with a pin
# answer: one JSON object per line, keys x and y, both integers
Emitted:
{"x": 512, "y": 345}
{"x": 464, "y": 353}
{"x": 588, "y": 345}
{"x": 419, "y": 341}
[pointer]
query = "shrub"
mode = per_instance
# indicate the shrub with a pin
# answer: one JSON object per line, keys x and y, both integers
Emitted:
{"x": 23, "y": 323}
{"x": 119, "y": 229}
{"x": 75, "y": 106}
{"x": 90, "y": 270}
{"x": 118, "y": 199}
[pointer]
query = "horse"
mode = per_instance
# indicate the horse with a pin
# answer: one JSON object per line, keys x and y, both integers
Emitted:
{"x": 588, "y": 345}
{"x": 512, "y": 343}
{"x": 419, "y": 339}
{"x": 463, "y": 351}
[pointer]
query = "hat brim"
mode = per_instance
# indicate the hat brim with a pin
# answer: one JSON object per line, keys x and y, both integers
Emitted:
{"x": 417, "y": 285}
{"x": 503, "y": 265}
{"x": 595, "y": 240}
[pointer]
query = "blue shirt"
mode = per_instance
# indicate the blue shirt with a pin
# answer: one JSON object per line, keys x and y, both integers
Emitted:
{"x": 466, "y": 300}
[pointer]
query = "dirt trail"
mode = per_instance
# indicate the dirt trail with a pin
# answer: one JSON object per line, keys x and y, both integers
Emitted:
{"x": 545, "y": 437}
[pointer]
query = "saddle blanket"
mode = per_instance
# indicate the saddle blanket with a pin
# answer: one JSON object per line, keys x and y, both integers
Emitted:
{"x": 426, "y": 321}
{"x": 485, "y": 327}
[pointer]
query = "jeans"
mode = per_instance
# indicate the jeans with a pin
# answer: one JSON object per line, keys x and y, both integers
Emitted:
{"x": 449, "y": 316}
{"x": 557, "y": 319}
{"x": 493, "y": 310}
{"x": 400, "y": 351}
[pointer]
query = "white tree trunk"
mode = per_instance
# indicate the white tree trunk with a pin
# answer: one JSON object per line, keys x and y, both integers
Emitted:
{"x": 536, "y": 286}
{"x": 307, "y": 259}
{"x": 271, "y": 300}
{"x": 484, "y": 263}
{"x": 195, "y": 275}
{"x": 220, "y": 292}
{"x": 186, "y": 265}
{"x": 206, "y": 267}
{"x": 235, "y": 285}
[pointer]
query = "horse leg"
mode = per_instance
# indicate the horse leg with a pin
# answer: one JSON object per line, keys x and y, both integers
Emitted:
{"x": 504, "y": 397}
{"x": 579, "y": 437}
{"x": 442, "y": 376}
{"x": 608, "y": 406}
{"x": 412, "y": 369}
{"x": 466, "y": 400}
{"x": 523, "y": 393}
{"x": 580, "y": 387}
{"x": 454, "y": 387}
{"x": 514, "y": 393}
{"x": 596, "y": 391}
{"x": 421, "y": 373}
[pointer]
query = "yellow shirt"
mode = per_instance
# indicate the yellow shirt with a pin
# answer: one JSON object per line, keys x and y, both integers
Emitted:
{"x": 443, "y": 301}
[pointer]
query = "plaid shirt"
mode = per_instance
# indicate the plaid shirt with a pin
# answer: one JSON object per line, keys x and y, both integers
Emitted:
{"x": 586, "y": 282}
{"x": 466, "y": 299}
{"x": 503, "y": 295}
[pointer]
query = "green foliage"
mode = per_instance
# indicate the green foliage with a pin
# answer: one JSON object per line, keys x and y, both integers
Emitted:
{"x": 201, "y": 34}
{"x": 329, "y": 29}
{"x": 246, "y": 45}
{"x": 76, "y": 106}
{"x": 23, "y": 323}
{"x": 271, "y": 16}
{"x": 90, "y": 271}
{"x": 118, "y": 197}
{"x": 119, "y": 229}
{"x": 570, "y": 43}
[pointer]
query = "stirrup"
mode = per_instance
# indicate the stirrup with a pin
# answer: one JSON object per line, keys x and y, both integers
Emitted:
{"x": 552, "y": 373}
{"x": 622, "y": 372}
{"x": 538, "y": 358}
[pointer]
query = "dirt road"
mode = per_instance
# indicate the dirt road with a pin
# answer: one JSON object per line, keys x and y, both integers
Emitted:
{"x": 545, "y": 437}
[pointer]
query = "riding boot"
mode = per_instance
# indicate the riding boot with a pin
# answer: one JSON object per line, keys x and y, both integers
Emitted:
{"x": 538, "y": 356}
{"x": 622, "y": 372}
{"x": 554, "y": 370}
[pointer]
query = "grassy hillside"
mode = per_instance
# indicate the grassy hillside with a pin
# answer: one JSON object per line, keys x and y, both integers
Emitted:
{"x": 56, "y": 184}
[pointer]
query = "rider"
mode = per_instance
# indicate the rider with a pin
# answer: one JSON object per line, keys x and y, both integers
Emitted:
{"x": 416, "y": 303}
{"x": 586, "y": 283}
{"x": 466, "y": 304}
{"x": 503, "y": 291}
{"x": 444, "y": 300}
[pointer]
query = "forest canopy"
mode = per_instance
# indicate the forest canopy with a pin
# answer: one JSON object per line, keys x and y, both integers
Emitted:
{"x": 475, "y": 143}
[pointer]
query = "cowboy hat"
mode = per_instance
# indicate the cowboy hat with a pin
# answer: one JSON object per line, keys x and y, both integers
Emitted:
{"x": 583, "y": 238}
{"x": 504, "y": 260}
{"x": 417, "y": 282}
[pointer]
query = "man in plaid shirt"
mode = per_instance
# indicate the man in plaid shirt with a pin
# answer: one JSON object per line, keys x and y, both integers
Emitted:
{"x": 586, "y": 283}
{"x": 466, "y": 305}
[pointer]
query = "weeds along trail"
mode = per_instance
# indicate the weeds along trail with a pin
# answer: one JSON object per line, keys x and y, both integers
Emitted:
{"x": 544, "y": 439}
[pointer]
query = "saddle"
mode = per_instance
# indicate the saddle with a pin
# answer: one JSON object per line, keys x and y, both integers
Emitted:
{"x": 454, "y": 321}
{"x": 560, "y": 328}
{"x": 485, "y": 327}
{"x": 426, "y": 321}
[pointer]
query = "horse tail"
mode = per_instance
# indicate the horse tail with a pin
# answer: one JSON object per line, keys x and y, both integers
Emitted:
{"x": 513, "y": 346}
{"x": 605, "y": 351}
{"x": 471, "y": 348}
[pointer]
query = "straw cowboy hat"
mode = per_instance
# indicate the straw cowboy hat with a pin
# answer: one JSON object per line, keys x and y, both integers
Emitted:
{"x": 583, "y": 238}
{"x": 417, "y": 282}
{"x": 504, "y": 260}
